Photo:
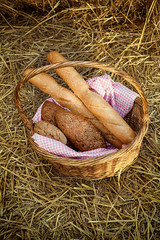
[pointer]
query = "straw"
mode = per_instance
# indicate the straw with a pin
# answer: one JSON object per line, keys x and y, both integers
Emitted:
{"x": 37, "y": 203}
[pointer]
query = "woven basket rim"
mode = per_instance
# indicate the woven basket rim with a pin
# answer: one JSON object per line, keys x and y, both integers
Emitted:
{"x": 83, "y": 161}
{"x": 86, "y": 161}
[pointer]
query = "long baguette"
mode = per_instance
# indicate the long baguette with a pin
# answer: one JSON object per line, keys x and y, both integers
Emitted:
{"x": 95, "y": 103}
{"x": 62, "y": 95}
{"x": 68, "y": 99}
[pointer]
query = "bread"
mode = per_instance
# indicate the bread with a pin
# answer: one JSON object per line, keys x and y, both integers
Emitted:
{"x": 69, "y": 100}
{"x": 48, "y": 112}
{"x": 61, "y": 94}
{"x": 135, "y": 116}
{"x": 48, "y": 130}
{"x": 81, "y": 132}
{"x": 94, "y": 102}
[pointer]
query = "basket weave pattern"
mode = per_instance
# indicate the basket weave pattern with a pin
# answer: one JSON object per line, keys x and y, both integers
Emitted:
{"x": 98, "y": 167}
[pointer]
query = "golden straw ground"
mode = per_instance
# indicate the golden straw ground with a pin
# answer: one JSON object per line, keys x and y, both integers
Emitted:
{"x": 37, "y": 203}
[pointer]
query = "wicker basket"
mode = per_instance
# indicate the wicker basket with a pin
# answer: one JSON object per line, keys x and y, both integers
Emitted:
{"x": 97, "y": 167}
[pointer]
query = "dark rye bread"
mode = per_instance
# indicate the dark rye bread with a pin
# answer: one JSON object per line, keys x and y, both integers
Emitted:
{"x": 81, "y": 132}
{"x": 48, "y": 112}
{"x": 134, "y": 117}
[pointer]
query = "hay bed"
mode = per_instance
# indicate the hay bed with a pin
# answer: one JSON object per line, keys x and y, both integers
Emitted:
{"x": 37, "y": 203}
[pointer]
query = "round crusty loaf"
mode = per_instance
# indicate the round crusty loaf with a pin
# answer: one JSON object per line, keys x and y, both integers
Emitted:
{"x": 81, "y": 132}
{"x": 48, "y": 130}
{"x": 48, "y": 112}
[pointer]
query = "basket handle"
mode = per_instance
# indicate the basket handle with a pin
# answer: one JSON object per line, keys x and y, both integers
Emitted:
{"x": 91, "y": 64}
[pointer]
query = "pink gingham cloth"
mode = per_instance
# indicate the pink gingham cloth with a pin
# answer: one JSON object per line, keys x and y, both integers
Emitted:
{"x": 117, "y": 95}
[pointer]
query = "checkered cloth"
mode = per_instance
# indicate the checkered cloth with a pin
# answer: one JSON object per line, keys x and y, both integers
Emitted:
{"x": 117, "y": 95}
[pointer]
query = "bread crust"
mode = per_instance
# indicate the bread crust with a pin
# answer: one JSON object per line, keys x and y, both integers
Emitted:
{"x": 48, "y": 130}
{"x": 48, "y": 112}
{"x": 81, "y": 132}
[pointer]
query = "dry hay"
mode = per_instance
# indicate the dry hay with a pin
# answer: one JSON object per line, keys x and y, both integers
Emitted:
{"x": 37, "y": 203}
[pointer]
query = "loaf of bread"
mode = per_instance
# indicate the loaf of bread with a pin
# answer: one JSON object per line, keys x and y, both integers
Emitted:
{"x": 94, "y": 102}
{"x": 48, "y": 112}
{"x": 49, "y": 130}
{"x": 135, "y": 116}
{"x": 68, "y": 99}
{"x": 81, "y": 132}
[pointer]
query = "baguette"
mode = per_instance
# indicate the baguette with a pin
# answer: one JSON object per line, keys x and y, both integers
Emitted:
{"x": 68, "y": 99}
{"x": 62, "y": 95}
{"x": 94, "y": 102}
